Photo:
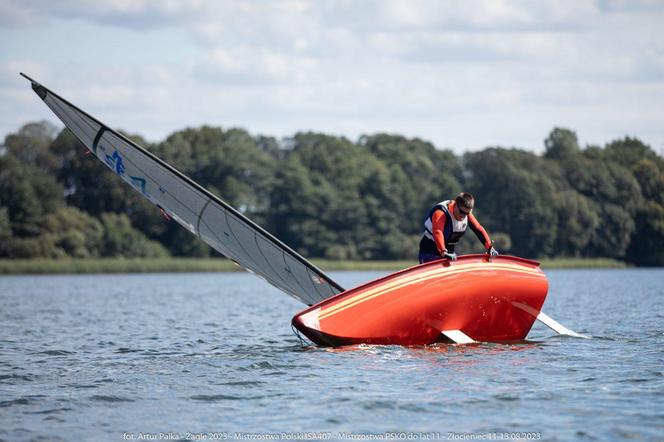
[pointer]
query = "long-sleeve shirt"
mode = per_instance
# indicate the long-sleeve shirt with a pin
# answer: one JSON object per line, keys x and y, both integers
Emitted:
{"x": 438, "y": 227}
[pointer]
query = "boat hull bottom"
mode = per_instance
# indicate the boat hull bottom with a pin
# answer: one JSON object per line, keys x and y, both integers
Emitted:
{"x": 485, "y": 300}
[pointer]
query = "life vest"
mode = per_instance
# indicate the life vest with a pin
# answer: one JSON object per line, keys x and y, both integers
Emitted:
{"x": 453, "y": 230}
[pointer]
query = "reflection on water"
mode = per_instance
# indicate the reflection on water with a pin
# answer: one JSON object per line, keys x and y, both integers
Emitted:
{"x": 91, "y": 357}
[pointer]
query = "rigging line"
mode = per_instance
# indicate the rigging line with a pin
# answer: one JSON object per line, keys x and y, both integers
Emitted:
{"x": 297, "y": 333}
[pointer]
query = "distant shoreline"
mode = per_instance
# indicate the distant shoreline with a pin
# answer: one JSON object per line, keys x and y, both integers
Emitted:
{"x": 173, "y": 265}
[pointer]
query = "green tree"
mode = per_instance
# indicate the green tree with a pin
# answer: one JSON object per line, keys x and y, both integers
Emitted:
{"x": 421, "y": 176}
{"x": 6, "y": 234}
{"x": 647, "y": 245}
{"x": 615, "y": 196}
{"x": 231, "y": 162}
{"x": 630, "y": 151}
{"x": 327, "y": 196}
{"x": 561, "y": 143}
{"x": 89, "y": 185}
{"x": 28, "y": 194}
{"x": 299, "y": 209}
{"x": 30, "y": 145}
{"x": 515, "y": 195}
{"x": 578, "y": 220}
{"x": 121, "y": 239}
{"x": 76, "y": 233}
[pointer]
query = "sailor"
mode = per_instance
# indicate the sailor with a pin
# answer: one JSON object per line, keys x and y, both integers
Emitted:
{"x": 446, "y": 223}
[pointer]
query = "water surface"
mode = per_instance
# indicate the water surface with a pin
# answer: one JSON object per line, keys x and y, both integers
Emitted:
{"x": 99, "y": 357}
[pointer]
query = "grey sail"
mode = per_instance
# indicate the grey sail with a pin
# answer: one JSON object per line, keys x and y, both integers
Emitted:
{"x": 197, "y": 210}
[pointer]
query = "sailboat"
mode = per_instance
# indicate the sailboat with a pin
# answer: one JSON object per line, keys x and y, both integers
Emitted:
{"x": 476, "y": 298}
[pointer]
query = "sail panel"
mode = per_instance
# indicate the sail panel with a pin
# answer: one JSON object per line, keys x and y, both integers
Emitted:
{"x": 84, "y": 130}
{"x": 157, "y": 184}
{"x": 214, "y": 229}
{"x": 161, "y": 186}
{"x": 203, "y": 214}
{"x": 274, "y": 256}
{"x": 263, "y": 257}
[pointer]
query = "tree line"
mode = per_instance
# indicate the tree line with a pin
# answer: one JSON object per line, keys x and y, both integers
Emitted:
{"x": 328, "y": 196}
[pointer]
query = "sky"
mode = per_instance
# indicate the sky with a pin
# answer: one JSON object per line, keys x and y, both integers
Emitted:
{"x": 462, "y": 74}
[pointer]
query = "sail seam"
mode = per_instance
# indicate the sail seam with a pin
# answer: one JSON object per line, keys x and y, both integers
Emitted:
{"x": 200, "y": 215}
{"x": 290, "y": 272}
{"x": 227, "y": 252}
{"x": 233, "y": 257}
{"x": 314, "y": 284}
{"x": 238, "y": 241}
{"x": 65, "y": 115}
{"x": 73, "y": 117}
{"x": 258, "y": 247}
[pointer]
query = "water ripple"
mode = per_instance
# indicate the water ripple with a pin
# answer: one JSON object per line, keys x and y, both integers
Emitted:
{"x": 54, "y": 353}
{"x": 194, "y": 352}
{"x": 110, "y": 398}
{"x": 216, "y": 397}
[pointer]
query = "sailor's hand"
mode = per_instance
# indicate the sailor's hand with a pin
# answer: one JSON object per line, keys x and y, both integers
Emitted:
{"x": 492, "y": 252}
{"x": 450, "y": 255}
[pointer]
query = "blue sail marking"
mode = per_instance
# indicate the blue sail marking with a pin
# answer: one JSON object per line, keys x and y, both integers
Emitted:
{"x": 115, "y": 163}
{"x": 139, "y": 183}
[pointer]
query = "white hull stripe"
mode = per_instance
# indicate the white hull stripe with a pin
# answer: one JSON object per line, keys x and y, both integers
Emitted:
{"x": 381, "y": 290}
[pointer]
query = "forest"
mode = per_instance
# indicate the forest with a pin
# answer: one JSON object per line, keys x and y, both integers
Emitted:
{"x": 329, "y": 197}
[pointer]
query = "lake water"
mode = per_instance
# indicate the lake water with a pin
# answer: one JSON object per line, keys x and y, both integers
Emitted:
{"x": 213, "y": 357}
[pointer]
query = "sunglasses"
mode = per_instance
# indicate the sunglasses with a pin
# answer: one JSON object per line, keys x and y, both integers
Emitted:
{"x": 463, "y": 212}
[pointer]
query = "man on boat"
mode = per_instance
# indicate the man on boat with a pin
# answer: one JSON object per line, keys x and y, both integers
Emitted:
{"x": 446, "y": 223}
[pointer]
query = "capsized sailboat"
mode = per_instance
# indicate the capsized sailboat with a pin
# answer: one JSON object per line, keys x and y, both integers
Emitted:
{"x": 473, "y": 299}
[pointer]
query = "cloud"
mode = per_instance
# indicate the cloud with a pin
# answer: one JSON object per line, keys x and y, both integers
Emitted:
{"x": 456, "y": 15}
{"x": 631, "y": 5}
{"x": 14, "y": 14}
{"x": 136, "y": 14}
{"x": 496, "y": 71}
{"x": 249, "y": 65}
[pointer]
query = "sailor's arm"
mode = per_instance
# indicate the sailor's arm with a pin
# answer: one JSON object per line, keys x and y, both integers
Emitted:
{"x": 479, "y": 231}
{"x": 437, "y": 229}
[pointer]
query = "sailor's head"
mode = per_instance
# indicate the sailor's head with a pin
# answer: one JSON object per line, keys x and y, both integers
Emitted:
{"x": 463, "y": 205}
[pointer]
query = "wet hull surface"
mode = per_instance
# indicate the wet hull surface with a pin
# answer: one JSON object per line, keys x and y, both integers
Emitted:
{"x": 488, "y": 300}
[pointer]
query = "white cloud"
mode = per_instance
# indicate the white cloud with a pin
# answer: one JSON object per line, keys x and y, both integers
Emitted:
{"x": 246, "y": 65}
{"x": 138, "y": 14}
{"x": 460, "y": 73}
{"x": 16, "y": 15}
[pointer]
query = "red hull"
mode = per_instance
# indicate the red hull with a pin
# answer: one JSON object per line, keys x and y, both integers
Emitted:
{"x": 488, "y": 300}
